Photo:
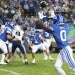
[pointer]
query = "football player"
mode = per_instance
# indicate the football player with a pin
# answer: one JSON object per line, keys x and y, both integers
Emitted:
{"x": 37, "y": 44}
{"x": 4, "y": 36}
{"x": 18, "y": 42}
{"x": 60, "y": 31}
{"x": 47, "y": 44}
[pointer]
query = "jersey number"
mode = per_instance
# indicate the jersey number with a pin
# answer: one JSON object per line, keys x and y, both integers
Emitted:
{"x": 18, "y": 33}
{"x": 63, "y": 35}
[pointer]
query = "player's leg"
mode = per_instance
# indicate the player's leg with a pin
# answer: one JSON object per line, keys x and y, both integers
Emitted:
{"x": 4, "y": 49}
{"x": 34, "y": 50}
{"x": 14, "y": 46}
{"x": 9, "y": 46}
{"x": 58, "y": 64}
{"x": 47, "y": 52}
{"x": 26, "y": 44}
{"x": 45, "y": 56}
{"x": 14, "y": 55}
{"x": 68, "y": 57}
{"x": 44, "y": 52}
{"x": 33, "y": 57}
{"x": 13, "y": 51}
{"x": 45, "y": 48}
{"x": 20, "y": 54}
{"x": 23, "y": 50}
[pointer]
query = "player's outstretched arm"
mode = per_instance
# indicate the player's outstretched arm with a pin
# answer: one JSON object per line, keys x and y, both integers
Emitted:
{"x": 40, "y": 25}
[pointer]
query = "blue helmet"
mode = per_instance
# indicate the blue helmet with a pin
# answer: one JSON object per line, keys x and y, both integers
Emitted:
{"x": 58, "y": 19}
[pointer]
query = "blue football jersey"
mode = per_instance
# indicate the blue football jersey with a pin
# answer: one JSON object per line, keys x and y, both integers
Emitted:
{"x": 46, "y": 35}
{"x": 31, "y": 38}
{"x": 36, "y": 38}
{"x": 7, "y": 29}
{"x": 60, "y": 34}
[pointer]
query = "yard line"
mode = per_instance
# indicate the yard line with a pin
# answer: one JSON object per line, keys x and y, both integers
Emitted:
{"x": 14, "y": 73}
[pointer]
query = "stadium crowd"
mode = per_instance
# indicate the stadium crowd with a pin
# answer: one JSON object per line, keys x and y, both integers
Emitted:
{"x": 28, "y": 8}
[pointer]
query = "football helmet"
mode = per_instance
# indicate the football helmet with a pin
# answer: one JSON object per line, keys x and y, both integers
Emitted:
{"x": 58, "y": 19}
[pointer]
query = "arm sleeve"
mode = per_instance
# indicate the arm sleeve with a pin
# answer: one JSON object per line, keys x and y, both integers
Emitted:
{"x": 39, "y": 25}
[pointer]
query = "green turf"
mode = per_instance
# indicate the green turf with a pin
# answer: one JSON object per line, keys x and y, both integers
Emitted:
{"x": 41, "y": 67}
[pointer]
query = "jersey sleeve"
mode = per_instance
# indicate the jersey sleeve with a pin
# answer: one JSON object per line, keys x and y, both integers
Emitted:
{"x": 51, "y": 28}
{"x": 8, "y": 31}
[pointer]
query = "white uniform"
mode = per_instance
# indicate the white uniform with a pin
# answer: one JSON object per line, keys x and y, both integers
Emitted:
{"x": 17, "y": 33}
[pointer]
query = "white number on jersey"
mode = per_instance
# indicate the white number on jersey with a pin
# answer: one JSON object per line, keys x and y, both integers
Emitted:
{"x": 63, "y": 35}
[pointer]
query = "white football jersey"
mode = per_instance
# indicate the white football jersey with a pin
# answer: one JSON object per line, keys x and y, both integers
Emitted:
{"x": 17, "y": 33}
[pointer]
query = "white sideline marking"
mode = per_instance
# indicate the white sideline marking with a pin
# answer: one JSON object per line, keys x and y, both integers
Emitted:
{"x": 14, "y": 73}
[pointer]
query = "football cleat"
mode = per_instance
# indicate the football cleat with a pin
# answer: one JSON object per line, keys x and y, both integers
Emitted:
{"x": 33, "y": 61}
{"x": 26, "y": 62}
{"x": 6, "y": 61}
{"x": 3, "y": 63}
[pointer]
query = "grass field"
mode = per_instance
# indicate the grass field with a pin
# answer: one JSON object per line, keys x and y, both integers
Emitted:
{"x": 41, "y": 67}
